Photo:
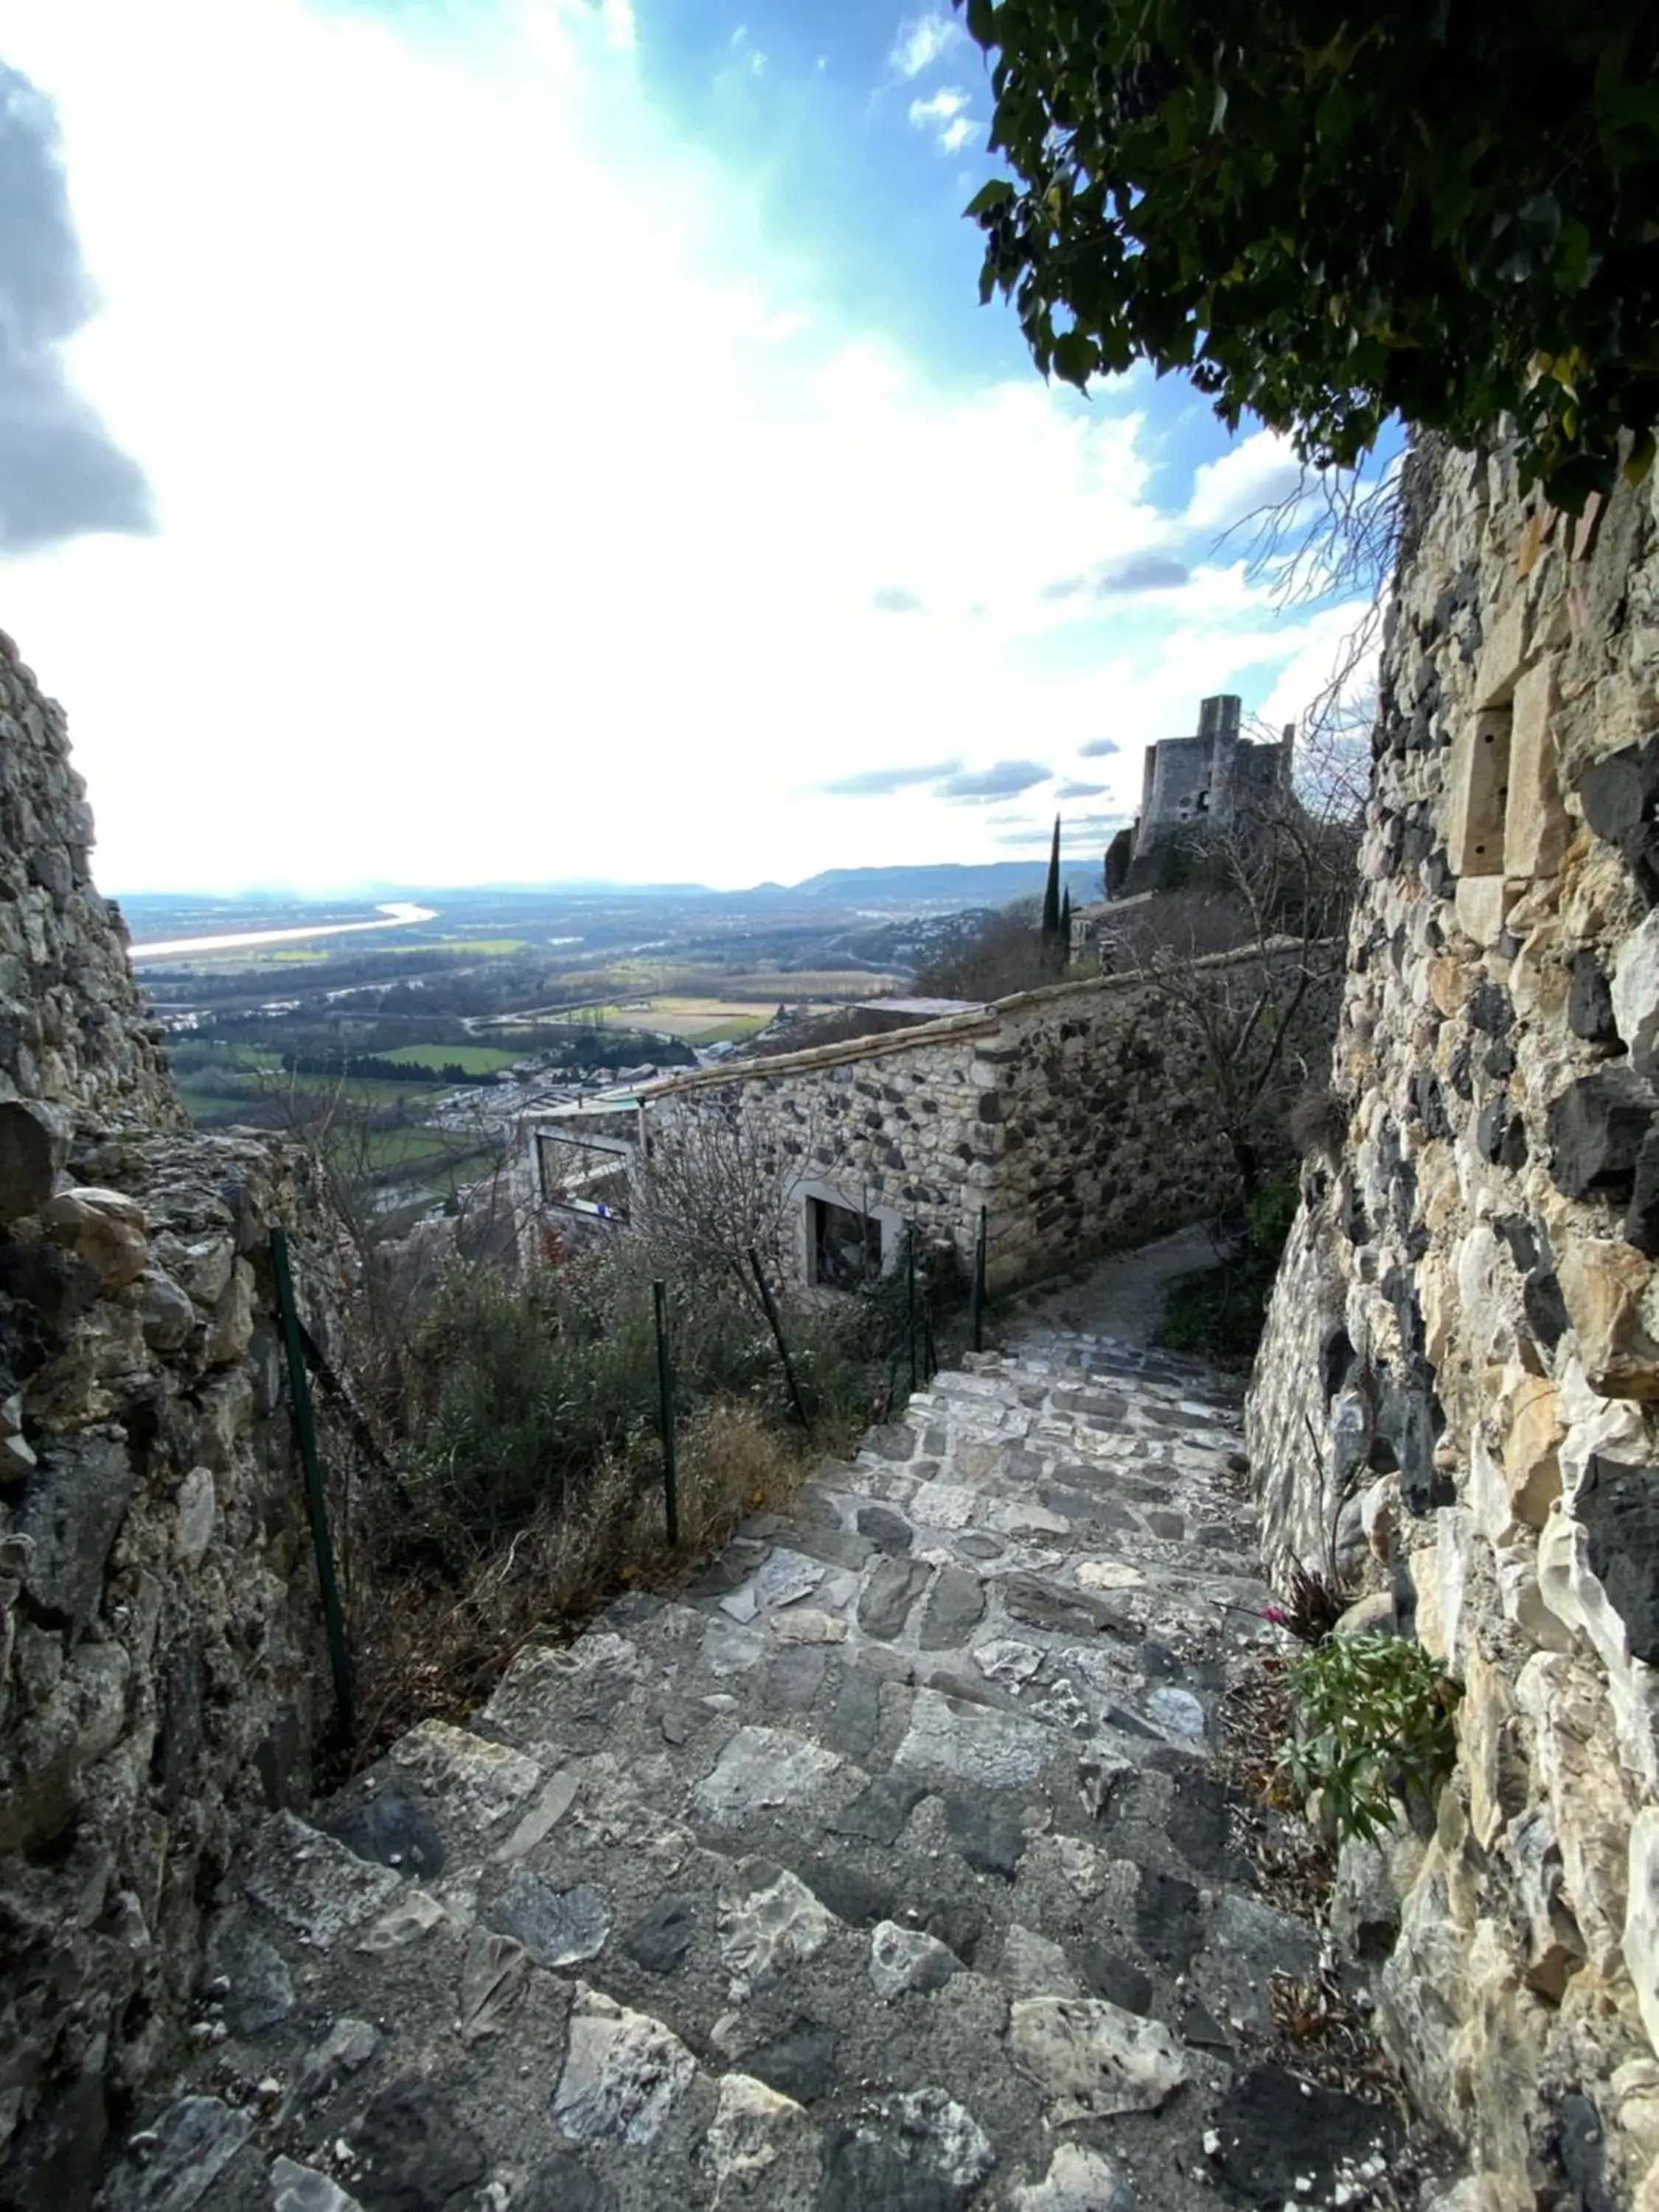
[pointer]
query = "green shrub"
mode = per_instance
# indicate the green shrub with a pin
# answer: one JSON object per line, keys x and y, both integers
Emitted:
{"x": 1221, "y": 1312}
{"x": 523, "y": 1391}
{"x": 1373, "y": 1721}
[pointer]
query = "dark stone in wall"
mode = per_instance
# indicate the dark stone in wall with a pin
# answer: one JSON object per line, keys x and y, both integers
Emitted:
{"x": 1642, "y": 1220}
{"x": 56, "y": 2164}
{"x": 1523, "y": 1239}
{"x": 1620, "y": 1509}
{"x": 1581, "y": 2145}
{"x": 1596, "y": 1129}
{"x": 73, "y": 1506}
{"x": 1409, "y": 1423}
{"x": 1458, "y": 1074}
{"x": 1619, "y": 796}
{"x": 1498, "y": 1061}
{"x": 1489, "y": 1129}
{"x": 1336, "y": 1359}
{"x": 1544, "y": 1307}
{"x": 1431, "y": 1105}
{"x": 1590, "y": 1001}
{"x": 1489, "y": 1009}
{"x": 179, "y": 1741}
{"x": 1438, "y": 875}
{"x": 1355, "y": 1226}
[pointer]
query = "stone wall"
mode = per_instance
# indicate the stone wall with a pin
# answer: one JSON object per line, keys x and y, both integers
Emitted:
{"x": 160, "y": 1674}
{"x": 75, "y": 1031}
{"x": 1457, "y": 1393}
{"x": 1078, "y": 1116}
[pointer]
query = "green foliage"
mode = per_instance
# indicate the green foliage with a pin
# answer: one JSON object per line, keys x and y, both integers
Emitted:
{"x": 1221, "y": 1312}
{"x": 1051, "y": 891}
{"x": 1373, "y": 1722}
{"x": 1433, "y": 209}
{"x": 530, "y": 1391}
{"x": 1270, "y": 1216}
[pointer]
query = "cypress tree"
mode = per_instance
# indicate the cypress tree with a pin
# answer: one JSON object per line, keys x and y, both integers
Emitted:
{"x": 1051, "y": 897}
{"x": 1064, "y": 948}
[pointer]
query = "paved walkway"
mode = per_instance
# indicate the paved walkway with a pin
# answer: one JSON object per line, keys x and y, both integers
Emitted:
{"x": 888, "y": 1871}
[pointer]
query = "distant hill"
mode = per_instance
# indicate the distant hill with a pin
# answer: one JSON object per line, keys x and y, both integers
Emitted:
{"x": 950, "y": 884}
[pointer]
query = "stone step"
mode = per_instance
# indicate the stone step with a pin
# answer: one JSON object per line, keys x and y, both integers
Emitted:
{"x": 836, "y": 1883}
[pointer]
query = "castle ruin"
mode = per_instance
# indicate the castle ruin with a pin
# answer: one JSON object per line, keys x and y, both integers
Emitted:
{"x": 1207, "y": 783}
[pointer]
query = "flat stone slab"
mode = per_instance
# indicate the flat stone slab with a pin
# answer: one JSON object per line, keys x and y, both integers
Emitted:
{"x": 557, "y": 1928}
{"x": 622, "y": 2073}
{"x": 975, "y": 1743}
{"x": 1093, "y": 2060}
{"x": 758, "y": 1769}
{"x": 313, "y": 1885}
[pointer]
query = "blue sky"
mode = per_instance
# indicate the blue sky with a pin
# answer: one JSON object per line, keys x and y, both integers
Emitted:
{"x": 558, "y": 437}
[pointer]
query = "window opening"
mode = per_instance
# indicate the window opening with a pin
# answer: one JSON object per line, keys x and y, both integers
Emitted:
{"x": 847, "y": 1248}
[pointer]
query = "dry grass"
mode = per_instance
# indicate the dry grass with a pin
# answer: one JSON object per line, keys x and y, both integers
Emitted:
{"x": 432, "y": 1645}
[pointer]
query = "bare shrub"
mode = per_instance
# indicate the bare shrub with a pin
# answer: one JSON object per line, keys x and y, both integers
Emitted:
{"x": 1319, "y": 1127}
{"x": 1008, "y": 954}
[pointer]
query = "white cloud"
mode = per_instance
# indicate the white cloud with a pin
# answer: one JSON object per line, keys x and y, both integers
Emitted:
{"x": 1258, "y": 472}
{"x": 921, "y": 40}
{"x": 501, "y": 544}
{"x": 944, "y": 112}
{"x": 938, "y": 107}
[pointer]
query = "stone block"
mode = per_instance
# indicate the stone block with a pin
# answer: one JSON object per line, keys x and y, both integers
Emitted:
{"x": 33, "y": 1139}
{"x": 72, "y": 1508}
{"x": 1536, "y": 828}
{"x": 1481, "y": 904}
{"x": 1642, "y": 1917}
{"x": 104, "y": 1229}
{"x": 1595, "y": 1127}
{"x": 1634, "y": 996}
{"x": 1601, "y": 1285}
{"x": 1504, "y": 654}
{"x": 1531, "y": 1468}
{"x": 1619, "y": 1506}
{"x": 1478, "y": 784}
{"x": 1620, "y": 799}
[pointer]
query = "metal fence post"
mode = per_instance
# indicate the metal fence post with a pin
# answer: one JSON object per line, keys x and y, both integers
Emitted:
{"x": 911, "y": 1298}
{"x": 339, "y": 1655}
{"x": 979, "y": 1279}
{"x": 665, "y": 1398}
{"x": 771, "y": 1304}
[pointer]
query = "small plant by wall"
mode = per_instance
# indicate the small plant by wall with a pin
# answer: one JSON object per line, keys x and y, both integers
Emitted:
{"x": 1373, "y": 1722}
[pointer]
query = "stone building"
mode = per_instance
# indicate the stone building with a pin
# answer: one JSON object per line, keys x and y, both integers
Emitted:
{"x": 1458, "y": 1396}
{"x": 161, "y": 1673}
{"x": 1208, "y": 782}
{"x": 1075, "y": 1116}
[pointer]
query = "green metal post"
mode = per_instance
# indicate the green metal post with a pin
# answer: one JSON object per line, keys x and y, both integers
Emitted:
{"x": 979, "y": 1279}
{"x": 911, "y": 1298}
{"x": 771, "y": 1304}
{"x": 666, "y": 1395}
{"x": 339, "y": 1656}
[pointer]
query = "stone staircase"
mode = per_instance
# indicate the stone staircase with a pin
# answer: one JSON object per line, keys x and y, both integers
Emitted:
{"x": 885, "y": 1870}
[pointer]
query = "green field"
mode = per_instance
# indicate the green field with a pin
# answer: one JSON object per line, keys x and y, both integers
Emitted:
{"x": 475, "y": 1059}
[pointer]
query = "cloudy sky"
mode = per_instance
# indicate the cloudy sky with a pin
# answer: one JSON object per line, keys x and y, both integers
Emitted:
{"x": 459, "y": 441}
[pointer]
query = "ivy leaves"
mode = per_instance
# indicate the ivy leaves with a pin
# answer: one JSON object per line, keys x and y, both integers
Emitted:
{"x": 1439, "y": 212}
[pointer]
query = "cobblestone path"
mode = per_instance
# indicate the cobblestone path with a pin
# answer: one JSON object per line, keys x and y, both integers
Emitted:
{"x": 886, "y": 1871}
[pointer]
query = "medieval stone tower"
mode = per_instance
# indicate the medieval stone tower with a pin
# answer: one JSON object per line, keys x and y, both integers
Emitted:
{"x": 1204, "y": 783}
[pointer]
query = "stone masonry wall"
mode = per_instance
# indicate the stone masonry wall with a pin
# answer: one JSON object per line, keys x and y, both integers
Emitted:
{"x": 1076, "y": 1115}
{"x": 75, "y": 1030}
{"x": 1458, "y": 1389}
{"x": 161, "y": 1668}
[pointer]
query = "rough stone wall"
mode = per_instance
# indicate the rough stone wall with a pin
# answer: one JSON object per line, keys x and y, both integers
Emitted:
{"x": 1078, "y": 1115}
{"x": 161, "y": 1670}
{"x": 1458, "y": 1388}
{"x": 75, "y": 1030}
